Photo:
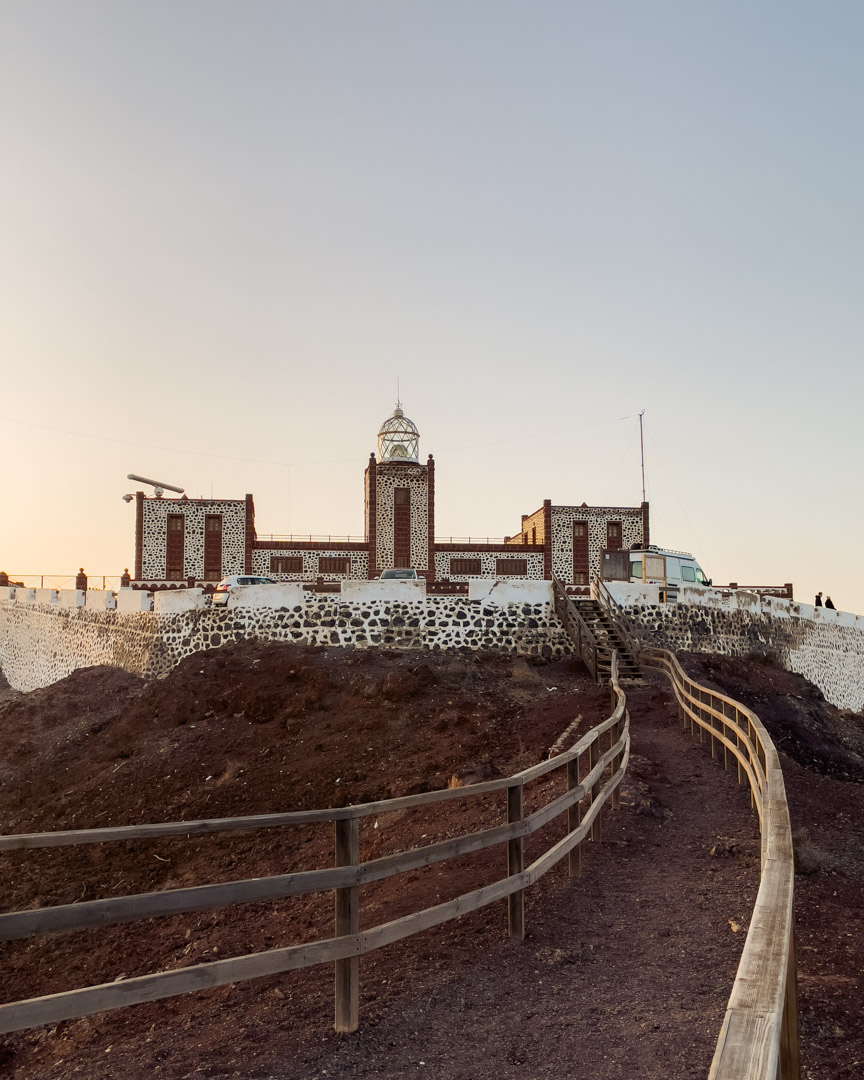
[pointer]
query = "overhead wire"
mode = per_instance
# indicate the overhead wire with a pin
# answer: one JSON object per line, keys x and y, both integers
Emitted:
{"x": 621, "y": 464}
{"x": 675, "y": 492}
{"x": 291, "y": 464}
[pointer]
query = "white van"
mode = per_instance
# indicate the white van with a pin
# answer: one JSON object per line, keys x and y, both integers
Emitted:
{"x": 664, "y": 566}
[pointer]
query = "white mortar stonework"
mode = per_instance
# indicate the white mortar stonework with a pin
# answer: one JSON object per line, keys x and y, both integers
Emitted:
{"x": 387, "y": 479}
{"x": 40, "y": 644}
{"x": 359, "y": 568}
{"x": 488, "y": 560}
{"x": 825, "y": 647}
{"x": 154, "y": 546}
{"x": 597, "y": 518}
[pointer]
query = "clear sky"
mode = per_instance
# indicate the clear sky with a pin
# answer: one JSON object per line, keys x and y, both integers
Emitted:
{"x": 229, "y": 227}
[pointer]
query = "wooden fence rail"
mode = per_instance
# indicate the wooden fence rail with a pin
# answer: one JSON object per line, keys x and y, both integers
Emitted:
{"x": 759, "y": 1037}
{"x": 596, "y": 785}
{"x": 577, "y": 629}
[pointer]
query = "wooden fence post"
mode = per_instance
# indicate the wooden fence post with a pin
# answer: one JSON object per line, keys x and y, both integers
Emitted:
{"x": 741, "y": 773}
{"x": 347, "y": 971}
{"x": 712, "y": 702}
{"x": 754, "y": 744}
{"x": 616, "y": 765}
{"x": 593, "y": 758}
{"x": 726, "y": 765}
{"x": 574, "y": 819}
{"x": 515, "y": 865}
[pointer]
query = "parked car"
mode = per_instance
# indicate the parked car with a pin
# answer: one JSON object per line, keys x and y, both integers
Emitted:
{"x": 399, "y": 574}
{"x": 220, "y": 596}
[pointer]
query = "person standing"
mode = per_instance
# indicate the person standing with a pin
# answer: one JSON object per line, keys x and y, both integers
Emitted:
{"x": 829, "y": 603}
{"x": 818, "y": 599}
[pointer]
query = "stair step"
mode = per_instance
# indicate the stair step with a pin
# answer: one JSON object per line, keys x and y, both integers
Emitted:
{"x": 605, "y": 634}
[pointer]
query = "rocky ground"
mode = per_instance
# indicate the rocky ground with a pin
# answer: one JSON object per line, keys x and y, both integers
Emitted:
{"x": 624, "y": 972}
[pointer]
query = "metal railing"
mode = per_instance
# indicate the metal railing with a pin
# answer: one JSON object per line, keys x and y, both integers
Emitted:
{"x": 489, "y": 541}
{"x": 64, "y": 581}
{"x": 310, "y": 538}
{"x": 330, "y": 538}
{"x": 784, "y": 592}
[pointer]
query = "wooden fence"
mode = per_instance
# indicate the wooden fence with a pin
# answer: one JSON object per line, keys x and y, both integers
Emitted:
{"x": 577, "y": 629}
{"x": 759, "y": 1037}
{"x": 587, "y": 789}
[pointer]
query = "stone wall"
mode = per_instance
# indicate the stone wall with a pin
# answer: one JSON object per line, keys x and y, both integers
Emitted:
{"x": 826, "y": 647}
{"x": 358, "y": 562}
{"x": 41, "y": 643}
{"x": 597, "y": 518}
{"x": 154, "y": 540}
{"x": 388, "y": 477}
{"x": 488, "y": 560}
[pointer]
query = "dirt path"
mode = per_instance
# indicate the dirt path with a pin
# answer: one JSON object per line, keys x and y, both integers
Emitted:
{"x": 625, "y": 972}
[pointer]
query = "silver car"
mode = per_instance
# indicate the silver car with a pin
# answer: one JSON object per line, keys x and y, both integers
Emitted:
{"x": 220, "y": 596}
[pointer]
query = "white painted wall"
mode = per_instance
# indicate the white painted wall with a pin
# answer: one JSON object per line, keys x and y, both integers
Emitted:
{"x": 634, "y": 593}
{"x": 134, "y": 600}
{"x": 510, "y": 591}
{"x": 73, "y": 598}
{"x": 170, "y": 601}
{"x": 286, "y": 594}
{"x": 754, "y": 603}
{"x": 407, "y": 590}
{"x": 101, "y": 600}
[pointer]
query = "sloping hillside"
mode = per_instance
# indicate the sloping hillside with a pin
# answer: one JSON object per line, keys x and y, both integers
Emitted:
{"x": 258, "y": 728}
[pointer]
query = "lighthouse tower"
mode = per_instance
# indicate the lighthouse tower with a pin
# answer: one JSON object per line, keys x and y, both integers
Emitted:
{"x": 400, "y": 500}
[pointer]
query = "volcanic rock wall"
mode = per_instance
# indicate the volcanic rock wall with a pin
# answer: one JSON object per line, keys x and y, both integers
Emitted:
{"x": 826, "y": 647}
{"x": 41, "y": 643}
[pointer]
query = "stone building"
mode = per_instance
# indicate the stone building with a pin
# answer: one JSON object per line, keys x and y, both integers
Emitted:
{"x": 178, "y": 540}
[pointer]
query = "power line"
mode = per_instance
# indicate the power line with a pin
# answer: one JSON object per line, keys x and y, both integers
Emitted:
{"x": 171, "y": 449}
{"x": 294, "y": 464}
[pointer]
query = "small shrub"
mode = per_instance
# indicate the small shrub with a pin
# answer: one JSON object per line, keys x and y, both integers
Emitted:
{"x": 809, "y": 859}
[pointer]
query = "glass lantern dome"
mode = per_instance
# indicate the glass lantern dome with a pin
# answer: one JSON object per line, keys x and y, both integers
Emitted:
{"x": 398, "y": 439}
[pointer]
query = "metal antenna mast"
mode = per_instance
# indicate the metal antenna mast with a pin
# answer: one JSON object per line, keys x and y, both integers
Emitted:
{"x": 642, "y": 450}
